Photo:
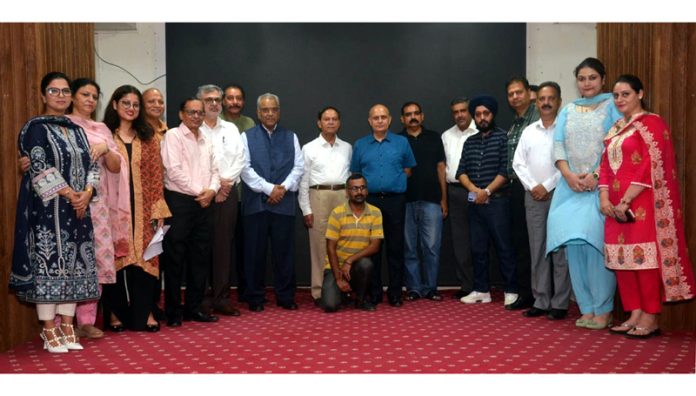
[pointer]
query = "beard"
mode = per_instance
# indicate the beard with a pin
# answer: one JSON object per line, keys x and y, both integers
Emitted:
{"x": 485, "y": 126}
{"x": 358, "y": 199}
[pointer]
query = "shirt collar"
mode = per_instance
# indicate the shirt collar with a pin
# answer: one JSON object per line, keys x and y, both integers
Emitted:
{"x": 387, "y": 137}
{"x": 218, "y": 123}
{"x": 540, "y": 125}
{"x": 271, "y": 131}
{"x": 186, "y": 131}
{"x": 325, "y": 143}
{"x": 349, "y": 210}
{"x": 471, "y": 128}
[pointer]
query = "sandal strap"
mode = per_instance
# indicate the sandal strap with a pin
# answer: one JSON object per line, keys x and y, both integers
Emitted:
{"x": 72, "y": 338}
{"x": 55, "y": 340}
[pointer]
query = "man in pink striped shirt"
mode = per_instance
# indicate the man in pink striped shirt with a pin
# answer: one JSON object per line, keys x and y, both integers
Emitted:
{"x": 191, "y": 182}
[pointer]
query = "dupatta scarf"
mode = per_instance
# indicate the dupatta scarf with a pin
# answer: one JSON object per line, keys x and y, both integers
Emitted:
{"x": 673, "y": 259}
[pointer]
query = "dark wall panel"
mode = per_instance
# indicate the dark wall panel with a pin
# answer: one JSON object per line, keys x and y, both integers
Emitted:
{"x": 350, "y": 66}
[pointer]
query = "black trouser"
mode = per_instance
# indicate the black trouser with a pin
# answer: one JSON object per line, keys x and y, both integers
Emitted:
{"x": 130, "y": 298}
{"x": 187, "y": 251}
{"x": 393, "y": 207}
{"x": 258, "y": 228}
{"x": 224, "y": 223}
{"x": 520, "y": 239}
{"x": 458, "y": 221}
{"x": 360, "y": 275}
{"x": 239, "y": 255}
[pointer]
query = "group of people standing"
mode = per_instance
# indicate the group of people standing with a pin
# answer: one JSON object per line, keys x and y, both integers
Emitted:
{"x": 607, "y": 166}
{"x": 586, "y": 195}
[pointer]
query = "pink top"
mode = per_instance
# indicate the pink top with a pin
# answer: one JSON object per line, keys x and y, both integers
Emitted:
{"x": 110, "y": 184}
{"x": 188, "y": 162}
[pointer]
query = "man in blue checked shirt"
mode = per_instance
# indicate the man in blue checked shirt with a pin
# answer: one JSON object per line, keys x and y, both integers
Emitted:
{"x": 483, "y": 172}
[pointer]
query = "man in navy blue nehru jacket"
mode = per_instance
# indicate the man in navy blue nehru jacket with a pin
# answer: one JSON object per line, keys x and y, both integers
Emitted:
{"x": 272, "y": 172}
{"x": 386, "y": 159}
{"x": 483, "y": 172}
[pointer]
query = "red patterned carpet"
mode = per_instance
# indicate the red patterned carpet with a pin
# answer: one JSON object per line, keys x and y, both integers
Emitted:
{"x": 420, "y": 337}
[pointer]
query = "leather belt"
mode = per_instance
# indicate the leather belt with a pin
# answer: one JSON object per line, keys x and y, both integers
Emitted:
{"x": 384, "y": 194}
{"x": 332, "y": 187}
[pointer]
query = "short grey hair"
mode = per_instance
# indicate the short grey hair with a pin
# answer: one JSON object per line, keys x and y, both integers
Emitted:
{"x": 267, "y": 95}
{"x": 203, "y": 89}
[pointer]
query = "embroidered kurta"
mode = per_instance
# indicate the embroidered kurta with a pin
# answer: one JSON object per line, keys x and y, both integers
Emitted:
{"x": 639, "y": 151}
{"x": 104, "y": 209}
{"x": 145, "y": 168}
{"x": 574, "y": 217}
{"x": 53, "y": 259}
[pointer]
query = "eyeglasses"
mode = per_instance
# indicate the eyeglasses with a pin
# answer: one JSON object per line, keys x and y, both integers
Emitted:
{"x": 129, "y": 105}
{"x": 212, "y": 100}
{"x": 57, "y": 91}
{"x": 357, "y": 188}
{"x": 192, "y": 113}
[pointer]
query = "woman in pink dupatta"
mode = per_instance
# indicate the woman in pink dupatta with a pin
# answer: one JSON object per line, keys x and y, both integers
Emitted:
{"x": 644, "y": 229}
{"x": 109, "y": 209}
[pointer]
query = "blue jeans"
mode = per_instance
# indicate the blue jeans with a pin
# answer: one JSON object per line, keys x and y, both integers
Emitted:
{"x": 422, "y": 235}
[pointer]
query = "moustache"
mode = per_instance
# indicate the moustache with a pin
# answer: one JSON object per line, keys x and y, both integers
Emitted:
{"x": 545, "y": 107}
{"x": 413, "y": 121}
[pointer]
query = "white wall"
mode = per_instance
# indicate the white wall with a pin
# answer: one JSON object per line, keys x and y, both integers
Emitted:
{"x": 140, "y": 51}
{"x": 553, "y": 51}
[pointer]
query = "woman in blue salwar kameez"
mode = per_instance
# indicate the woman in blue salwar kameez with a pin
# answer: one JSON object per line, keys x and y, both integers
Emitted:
{"x": 53, "y": 262}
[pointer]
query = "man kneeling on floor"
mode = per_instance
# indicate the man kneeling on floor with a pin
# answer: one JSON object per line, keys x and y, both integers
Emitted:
{"x": 353, "y": 235}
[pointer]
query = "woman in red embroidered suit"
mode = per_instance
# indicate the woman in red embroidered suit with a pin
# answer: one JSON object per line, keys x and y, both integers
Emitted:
{"x": 638, "y": 173}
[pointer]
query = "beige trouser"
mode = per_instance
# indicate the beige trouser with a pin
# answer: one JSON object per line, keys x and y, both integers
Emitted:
{"x": 49, "y": 311}
{"x": 322, "y": 203}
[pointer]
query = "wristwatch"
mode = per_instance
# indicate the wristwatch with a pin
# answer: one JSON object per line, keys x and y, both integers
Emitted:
{"x": 488, "y": 192}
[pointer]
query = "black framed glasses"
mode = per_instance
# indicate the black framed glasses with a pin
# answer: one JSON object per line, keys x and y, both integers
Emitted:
{"x": 357, "y": 188}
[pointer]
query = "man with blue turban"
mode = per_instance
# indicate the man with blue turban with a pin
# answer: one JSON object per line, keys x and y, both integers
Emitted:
{"x": 483, "y": 172}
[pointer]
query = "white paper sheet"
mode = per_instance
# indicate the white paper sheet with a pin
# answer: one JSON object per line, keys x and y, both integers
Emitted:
{"x": 155, "y": 246}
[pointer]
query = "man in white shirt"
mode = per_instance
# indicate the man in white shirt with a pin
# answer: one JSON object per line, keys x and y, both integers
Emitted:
{"x": 228, "y": 157}
{"x": 534, "y": 166}
{"x": 322, "y": 188}
{"x": 453, "y": 140}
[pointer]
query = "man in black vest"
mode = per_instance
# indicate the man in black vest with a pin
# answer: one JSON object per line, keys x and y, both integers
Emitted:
{"x": 272, "y": 172}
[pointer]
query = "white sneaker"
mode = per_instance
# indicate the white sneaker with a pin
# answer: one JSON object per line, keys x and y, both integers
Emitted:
{"x": 475, "y": 297}
{"x": 510, "y": 298}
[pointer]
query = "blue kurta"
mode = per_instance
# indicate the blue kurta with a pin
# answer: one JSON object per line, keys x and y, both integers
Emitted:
{"x": 53, "y": 259}
{"x": 574, "y": 217}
